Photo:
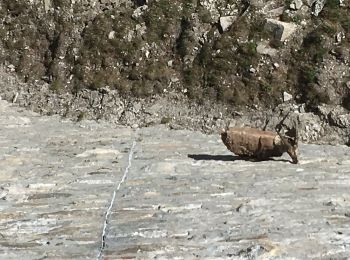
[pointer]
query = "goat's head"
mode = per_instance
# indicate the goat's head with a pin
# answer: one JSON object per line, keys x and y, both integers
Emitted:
{"x": 290, "y": 143}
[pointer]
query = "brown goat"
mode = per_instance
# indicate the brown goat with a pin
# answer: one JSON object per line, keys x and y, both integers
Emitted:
{"x": 255, "y": 143}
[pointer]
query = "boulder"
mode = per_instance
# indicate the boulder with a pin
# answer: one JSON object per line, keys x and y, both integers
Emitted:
{"x": 226, "y": 22}
{"x": 264, "y": 49}
{"x": 111, "y": 35}
{"x": 287, "y": 96}
{"x": 296, "y": 5}
{"x": 316, "y": 5}
{"x": 281, "y": 30}
{"x": 47, "y": 5}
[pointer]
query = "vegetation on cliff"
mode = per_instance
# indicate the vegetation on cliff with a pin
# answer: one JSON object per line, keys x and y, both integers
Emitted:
{"x": 150, "y": 47}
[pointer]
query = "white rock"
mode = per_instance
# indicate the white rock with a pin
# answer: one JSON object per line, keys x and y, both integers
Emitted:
{"x": 111, "y": 35}
{"x": 98, "y": 152}
{"x": 339, "y": 36}
{"x": 41, "y": 185}
{"x": 47, "y": 5}
{"x": 226, "y": 22}
{"x": 276, "y": 65}
{"x": 281, "y": 30}
{"x": 139, "y": 11}
{"x": 296, "y": 5}
{"x": 287, "y": 96}
{"x": 318, "y": 6}
{"x": 252, "y": 70}
{"x": 11, "y": 68}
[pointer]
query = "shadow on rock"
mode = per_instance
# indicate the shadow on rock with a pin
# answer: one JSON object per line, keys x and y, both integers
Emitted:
{"x": 208, "y": 157}
{"x": 228, "y": 158}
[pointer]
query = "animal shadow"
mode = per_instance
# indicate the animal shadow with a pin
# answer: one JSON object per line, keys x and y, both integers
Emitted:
{"x": 230, "y": 158}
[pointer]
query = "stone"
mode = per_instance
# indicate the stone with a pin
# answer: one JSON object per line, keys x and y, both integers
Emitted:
{"x": 226, "y": 22}
{"x": 339, "y": 118}
{"x": 263, "y": 48}
{"x": 317, "y": 7}
{"x": 139, "y": 11}
{"x": 111, "y": 35}
{"x": 47, "y": 5}
{"x": 296, "y": 4}
{"x": 339, "y": 37}
{"x": 287, "y": 96}
{"x": 281, "y": 30}
{"x": 252, "y": 70}
{"x": 11, "y": 68}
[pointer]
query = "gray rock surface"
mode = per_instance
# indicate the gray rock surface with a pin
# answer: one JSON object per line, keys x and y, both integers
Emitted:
{"x": 178, "y": 194}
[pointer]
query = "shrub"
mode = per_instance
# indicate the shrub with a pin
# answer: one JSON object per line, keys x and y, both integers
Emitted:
{"x": 81, "y": 116}
{"x": 185, "y": 41}
{"x": 309, "y": 75}
{"x": 313, "y": 46}
{"x": 314, "y": 96}
{"x": 346, "y": 101}
{"x": 331, "y": 11}
{"x": 346, "y": 23}
{"x": 204, "y": 15}
{"x": 56, "y": 85}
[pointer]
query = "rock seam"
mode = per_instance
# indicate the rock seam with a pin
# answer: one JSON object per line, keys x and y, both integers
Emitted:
{"x": 109, "y": 209}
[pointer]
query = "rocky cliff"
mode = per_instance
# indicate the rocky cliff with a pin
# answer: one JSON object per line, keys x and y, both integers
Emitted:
{"x": 239, "y": 52}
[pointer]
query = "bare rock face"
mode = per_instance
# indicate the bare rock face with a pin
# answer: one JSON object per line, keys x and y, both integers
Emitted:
{"x": 95, "y": 191}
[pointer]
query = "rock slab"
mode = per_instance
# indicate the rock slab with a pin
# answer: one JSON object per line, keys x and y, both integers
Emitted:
{"x": 179, "y": 194}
